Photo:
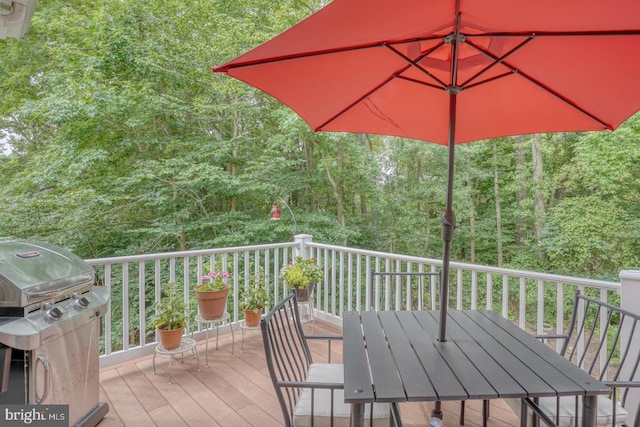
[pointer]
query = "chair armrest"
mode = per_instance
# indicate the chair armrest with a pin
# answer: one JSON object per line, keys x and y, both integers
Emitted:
{"x": 311, "y": 384}
{"x": 328, "y": 338}
{"x": 552, "y": 337}
{"x": 622, "y": 384}
{"x": 323, "y": 337}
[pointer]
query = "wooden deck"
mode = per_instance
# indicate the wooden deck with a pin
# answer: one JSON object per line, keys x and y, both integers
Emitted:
{"x": 234, "y": 390}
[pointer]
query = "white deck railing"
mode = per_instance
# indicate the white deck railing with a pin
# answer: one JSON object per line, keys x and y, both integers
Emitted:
{"x": 135, "y": 283}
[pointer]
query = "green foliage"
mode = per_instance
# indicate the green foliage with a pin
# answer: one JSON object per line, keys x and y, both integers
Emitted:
{"x": 587, "y": 236}
{"x": 301, "y": 273}
{"x": 171, "y": 308}
{"x": 124, "y": 142}
{"x": 256, "y": 295}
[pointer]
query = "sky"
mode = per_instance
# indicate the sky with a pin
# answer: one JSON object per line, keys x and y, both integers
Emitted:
{"x": 4, "y": 145}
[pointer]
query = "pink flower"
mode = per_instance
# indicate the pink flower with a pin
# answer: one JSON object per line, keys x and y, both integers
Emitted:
{"x": 216, "y": 279}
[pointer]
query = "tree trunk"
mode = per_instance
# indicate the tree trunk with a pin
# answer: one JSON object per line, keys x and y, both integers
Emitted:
{"x": 539, "y": 196}
{"x": 496, "y": 193}
{"x": 182, "y": 240}
{"x": 427, "y": 224}
{"x": 472, "y": 214}
{"x": 338, "y": 185}
{"x": 520, "y": 159}
{"x": 362, "y": 140}
{"x": 233, "y": 202}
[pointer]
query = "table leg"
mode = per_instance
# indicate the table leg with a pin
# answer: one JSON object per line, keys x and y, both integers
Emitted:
{"x": 357, "y": 415}
{"x": 589, "y": 411}
{"x": 437, "y": 410}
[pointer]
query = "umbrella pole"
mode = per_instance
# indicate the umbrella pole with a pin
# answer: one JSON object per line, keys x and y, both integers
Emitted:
{"x": 447, "y": 222}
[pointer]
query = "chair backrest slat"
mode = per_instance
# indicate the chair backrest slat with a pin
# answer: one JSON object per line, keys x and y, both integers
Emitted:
{"x": 287, "y": 353}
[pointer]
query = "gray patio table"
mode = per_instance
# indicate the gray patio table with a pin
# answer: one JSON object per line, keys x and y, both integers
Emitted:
{"x": 395, "y": 356}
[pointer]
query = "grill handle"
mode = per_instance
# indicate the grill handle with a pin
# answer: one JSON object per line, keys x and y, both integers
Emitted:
{"x": 45, "y": 364}
{"x": 52, "y": 293}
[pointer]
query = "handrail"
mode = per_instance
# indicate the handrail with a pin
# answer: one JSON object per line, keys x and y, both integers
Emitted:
{"x": 522, "y": 296}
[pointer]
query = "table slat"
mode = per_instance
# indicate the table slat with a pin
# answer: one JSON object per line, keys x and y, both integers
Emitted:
{"x": 357, "y": 375}
{"x": 476, "y": 386}
{"x": 388, "y": 385}
{"x": 521, "y": 378}
{"x": 416, "y": 381}
{"x": 441, "y": 378}
{"x": 558, "y": 372}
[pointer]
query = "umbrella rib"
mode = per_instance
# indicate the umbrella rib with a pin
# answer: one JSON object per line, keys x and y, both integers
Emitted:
{"x": 417, "y": 66}
{"x": 538, "y": 34}
{"x": 545, "y": 88}
{"x": 357, "y": 101}
{"x": 494, "y": 78}
{"x": 229, "y": 66}
{"x": 420, "y": 82}
{"x": 564, "y": 99}
{"x": 496, "y": 60}
{"x": 545, "y": 34}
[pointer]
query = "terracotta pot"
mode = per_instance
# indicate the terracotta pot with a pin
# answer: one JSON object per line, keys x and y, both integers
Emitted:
{"x": 170, "y": 338}
{"x": 305, "y": 293}
{"x": 212, "y": 304}
{"x": 251, "y": 318}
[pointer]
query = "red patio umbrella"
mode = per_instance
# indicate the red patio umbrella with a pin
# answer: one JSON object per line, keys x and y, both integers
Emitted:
{"x": 450, "y": 72}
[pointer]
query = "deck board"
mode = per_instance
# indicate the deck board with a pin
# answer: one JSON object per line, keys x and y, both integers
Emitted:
{"x": 236, "y": 390}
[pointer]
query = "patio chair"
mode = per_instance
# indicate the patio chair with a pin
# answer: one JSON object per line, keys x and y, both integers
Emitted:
{"x": 310, "y": 394}
{"x": 615, "y": 364}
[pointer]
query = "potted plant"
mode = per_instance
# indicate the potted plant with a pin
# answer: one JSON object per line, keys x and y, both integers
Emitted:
{"x": 302, "y": 274}
{"x": 254, "y": 298}
{"x": 212, "y": 294}
{"x": 171, "y": 318}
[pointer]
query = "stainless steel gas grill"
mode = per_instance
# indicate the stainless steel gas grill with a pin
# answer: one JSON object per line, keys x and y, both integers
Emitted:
{"x": 50, "y": 330}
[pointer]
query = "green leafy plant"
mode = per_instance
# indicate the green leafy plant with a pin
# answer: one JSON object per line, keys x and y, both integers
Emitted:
{"x": 213, "y": 281}
{"x": 171, "y": 309}
{"x": 301, "y": 272}
{"x": 256, "y": 295}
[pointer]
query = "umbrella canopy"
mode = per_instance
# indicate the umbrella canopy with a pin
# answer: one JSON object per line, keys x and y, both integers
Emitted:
{"x": 454, "y": 71}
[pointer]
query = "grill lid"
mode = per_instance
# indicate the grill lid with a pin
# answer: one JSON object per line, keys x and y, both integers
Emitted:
{"x": 33, "y": 271}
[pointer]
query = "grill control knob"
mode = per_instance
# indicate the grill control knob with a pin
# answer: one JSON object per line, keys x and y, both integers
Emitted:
{"x": 82, "y": 302}
{"x": 54, "y": 314}
{"x": 46, "y": 305}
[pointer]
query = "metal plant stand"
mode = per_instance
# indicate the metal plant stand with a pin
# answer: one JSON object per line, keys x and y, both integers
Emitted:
{"x": 306, "y": 316}
{"x": 186, "y": 344}
{"x": 244, "y": 328}
{"x": 208, "y": 323}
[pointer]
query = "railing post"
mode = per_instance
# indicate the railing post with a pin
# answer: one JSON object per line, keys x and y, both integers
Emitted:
{"x": 629, "y": 297}
{"x": 301, "y": 248}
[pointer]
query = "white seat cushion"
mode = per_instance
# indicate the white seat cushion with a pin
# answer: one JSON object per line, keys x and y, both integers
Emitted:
{"x": 332, "y": 373}
{"x": 567, "y": 410}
